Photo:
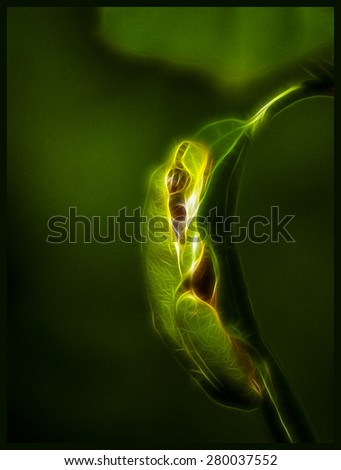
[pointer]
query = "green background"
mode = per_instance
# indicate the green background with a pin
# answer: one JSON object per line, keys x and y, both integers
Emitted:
{"x": 88, "y": 119}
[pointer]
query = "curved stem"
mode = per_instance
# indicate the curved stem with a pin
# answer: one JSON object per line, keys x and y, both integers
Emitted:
{"x": 281, "y": 409}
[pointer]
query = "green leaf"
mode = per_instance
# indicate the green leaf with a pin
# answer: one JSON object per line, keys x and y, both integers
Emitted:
{"x": 235, "y": 44}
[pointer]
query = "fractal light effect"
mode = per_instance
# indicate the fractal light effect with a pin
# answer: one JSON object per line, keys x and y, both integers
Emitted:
{"x": 198, "y": 297}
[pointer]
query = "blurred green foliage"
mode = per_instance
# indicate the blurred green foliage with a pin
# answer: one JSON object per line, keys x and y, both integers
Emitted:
{"x": 233, "y": 44}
